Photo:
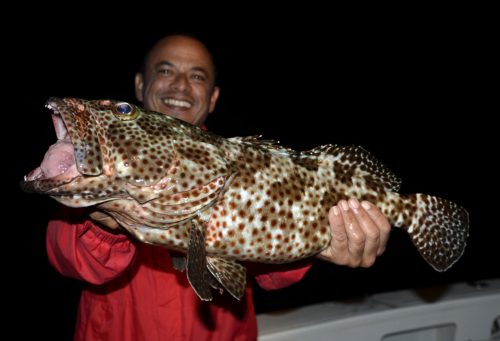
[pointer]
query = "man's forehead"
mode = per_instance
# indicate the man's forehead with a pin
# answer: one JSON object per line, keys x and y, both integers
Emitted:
{"x": 182, "y": 52}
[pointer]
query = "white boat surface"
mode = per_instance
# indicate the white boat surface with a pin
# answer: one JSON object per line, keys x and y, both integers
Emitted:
{"x": 456, "y": 312}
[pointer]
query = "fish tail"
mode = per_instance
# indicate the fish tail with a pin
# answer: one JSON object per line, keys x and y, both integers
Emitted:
{"x": 438, "y": 228}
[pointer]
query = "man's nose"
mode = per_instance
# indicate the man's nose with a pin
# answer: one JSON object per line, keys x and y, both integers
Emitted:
{"x": 180, "y": 83}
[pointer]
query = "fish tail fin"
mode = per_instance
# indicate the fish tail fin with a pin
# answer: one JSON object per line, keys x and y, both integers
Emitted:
{"x": 439, "y": 229}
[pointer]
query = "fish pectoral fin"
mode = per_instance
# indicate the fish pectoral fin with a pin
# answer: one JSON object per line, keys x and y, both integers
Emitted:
{"x": 230, "y": 274}
{"x": 197, "y": 273}
{"x": 179, "y": 263}
{"x": 141, "y": 194}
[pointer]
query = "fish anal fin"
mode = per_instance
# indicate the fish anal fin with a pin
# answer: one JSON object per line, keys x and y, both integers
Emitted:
{"x": 214, "y": 283}
{"x": 230, "y": 274}
{"x": 196, "y": 268}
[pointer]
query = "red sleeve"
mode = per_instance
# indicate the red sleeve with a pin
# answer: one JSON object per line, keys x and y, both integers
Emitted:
{"x": 84, "y": 251}
{"x": 272, "y": 277}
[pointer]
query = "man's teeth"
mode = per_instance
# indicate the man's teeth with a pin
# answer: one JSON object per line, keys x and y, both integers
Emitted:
{"x": 177, "y": 103}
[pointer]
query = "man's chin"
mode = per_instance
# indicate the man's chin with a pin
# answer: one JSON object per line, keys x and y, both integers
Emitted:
{"x": 182, "y": 116}
{"x": 185, "y": 116}
{"x": 174, "y": 113}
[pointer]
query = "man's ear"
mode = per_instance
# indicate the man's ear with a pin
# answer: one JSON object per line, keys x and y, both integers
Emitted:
{"x": 139, "y": 86}
{"x": 213, "y": 99}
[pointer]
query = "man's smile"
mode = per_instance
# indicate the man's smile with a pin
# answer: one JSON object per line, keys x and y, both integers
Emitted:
{"x": 177, "y": 103}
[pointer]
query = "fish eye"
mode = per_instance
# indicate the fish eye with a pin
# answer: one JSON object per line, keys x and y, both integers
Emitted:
{"x": 124, "y": 108}
{"x": 124, "y": 111}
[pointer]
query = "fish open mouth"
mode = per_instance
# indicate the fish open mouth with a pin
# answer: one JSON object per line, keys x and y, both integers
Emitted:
{"x": 59, "y": 164}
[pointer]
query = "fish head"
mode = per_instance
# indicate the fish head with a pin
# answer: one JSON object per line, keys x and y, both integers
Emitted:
{"x": 105, "y": 150}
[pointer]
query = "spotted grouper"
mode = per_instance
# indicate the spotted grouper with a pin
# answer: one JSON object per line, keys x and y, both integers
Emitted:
{"x": 221, "y": 201}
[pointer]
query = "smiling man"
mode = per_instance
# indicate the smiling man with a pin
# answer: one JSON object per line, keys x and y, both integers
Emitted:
{"x": 179, "y": 80}
{"x": 133, "y": 291}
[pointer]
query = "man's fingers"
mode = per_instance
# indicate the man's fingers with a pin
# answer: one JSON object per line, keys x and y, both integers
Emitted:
{"x": 359, "y": 233}
{"x": 355, "y": 235}
{"x": 104, "y": 219}
{"x": 338, "y": 243}
{"x": 371, "y": 232}
{"x": 381, "y": 222}
{"x": 337, "y": 225}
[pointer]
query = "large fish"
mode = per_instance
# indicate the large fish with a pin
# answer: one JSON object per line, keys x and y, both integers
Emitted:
{"x": 221, "y": 200}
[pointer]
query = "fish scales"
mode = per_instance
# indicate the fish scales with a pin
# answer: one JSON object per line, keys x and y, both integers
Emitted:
{"x": 221, "y": 201}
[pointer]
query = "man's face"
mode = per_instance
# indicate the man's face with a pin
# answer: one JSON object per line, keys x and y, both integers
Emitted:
{"x": 179, "y": 80}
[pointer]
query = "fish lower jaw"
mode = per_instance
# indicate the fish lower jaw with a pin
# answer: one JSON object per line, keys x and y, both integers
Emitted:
{"x": 58, "y": 163}
{"x": 35, "y": 174}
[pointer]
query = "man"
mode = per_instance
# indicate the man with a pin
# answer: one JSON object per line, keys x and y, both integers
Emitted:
{"x": 134, "y": 293}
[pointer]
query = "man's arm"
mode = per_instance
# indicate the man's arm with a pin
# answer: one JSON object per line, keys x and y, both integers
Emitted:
{"x": 84, "y": 251}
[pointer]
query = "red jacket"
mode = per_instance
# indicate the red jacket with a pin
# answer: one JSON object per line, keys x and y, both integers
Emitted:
{"x": 135, "y": 294}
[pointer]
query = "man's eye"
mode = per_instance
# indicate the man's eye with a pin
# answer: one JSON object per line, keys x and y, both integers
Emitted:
{"x": 199, "y": 78}
{"x": 165, "y": 72}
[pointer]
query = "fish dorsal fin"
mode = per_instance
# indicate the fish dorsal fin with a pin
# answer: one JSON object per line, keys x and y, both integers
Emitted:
{"x": 310, "y": 161}
{"x": 196, "y": 268}
{"x": 272, "y": 146}
{"x": 230, "y": 274}
{"x": 360, "y": 163}
{"x": 253, "y": 140}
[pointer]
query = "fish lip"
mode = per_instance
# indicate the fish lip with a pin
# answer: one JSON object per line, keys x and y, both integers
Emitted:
{"x": 44, "y": 185}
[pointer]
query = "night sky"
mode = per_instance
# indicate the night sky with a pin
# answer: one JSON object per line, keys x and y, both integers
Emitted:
{"x": 413, "y": 95}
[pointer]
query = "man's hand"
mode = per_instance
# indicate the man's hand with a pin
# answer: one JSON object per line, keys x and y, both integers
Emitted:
{"x": 104, "y": 220}
{"x": 359, "y": 234}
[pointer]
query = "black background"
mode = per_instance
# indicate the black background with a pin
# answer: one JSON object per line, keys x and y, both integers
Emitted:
{"x": 413, "y": 90}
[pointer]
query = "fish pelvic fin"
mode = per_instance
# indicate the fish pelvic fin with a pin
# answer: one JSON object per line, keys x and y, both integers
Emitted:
{"x": 439, "y": 229}
{"x": 196, "y": 267}
{"x": 230, "y": 274}
{"x": 205, "y": 273}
